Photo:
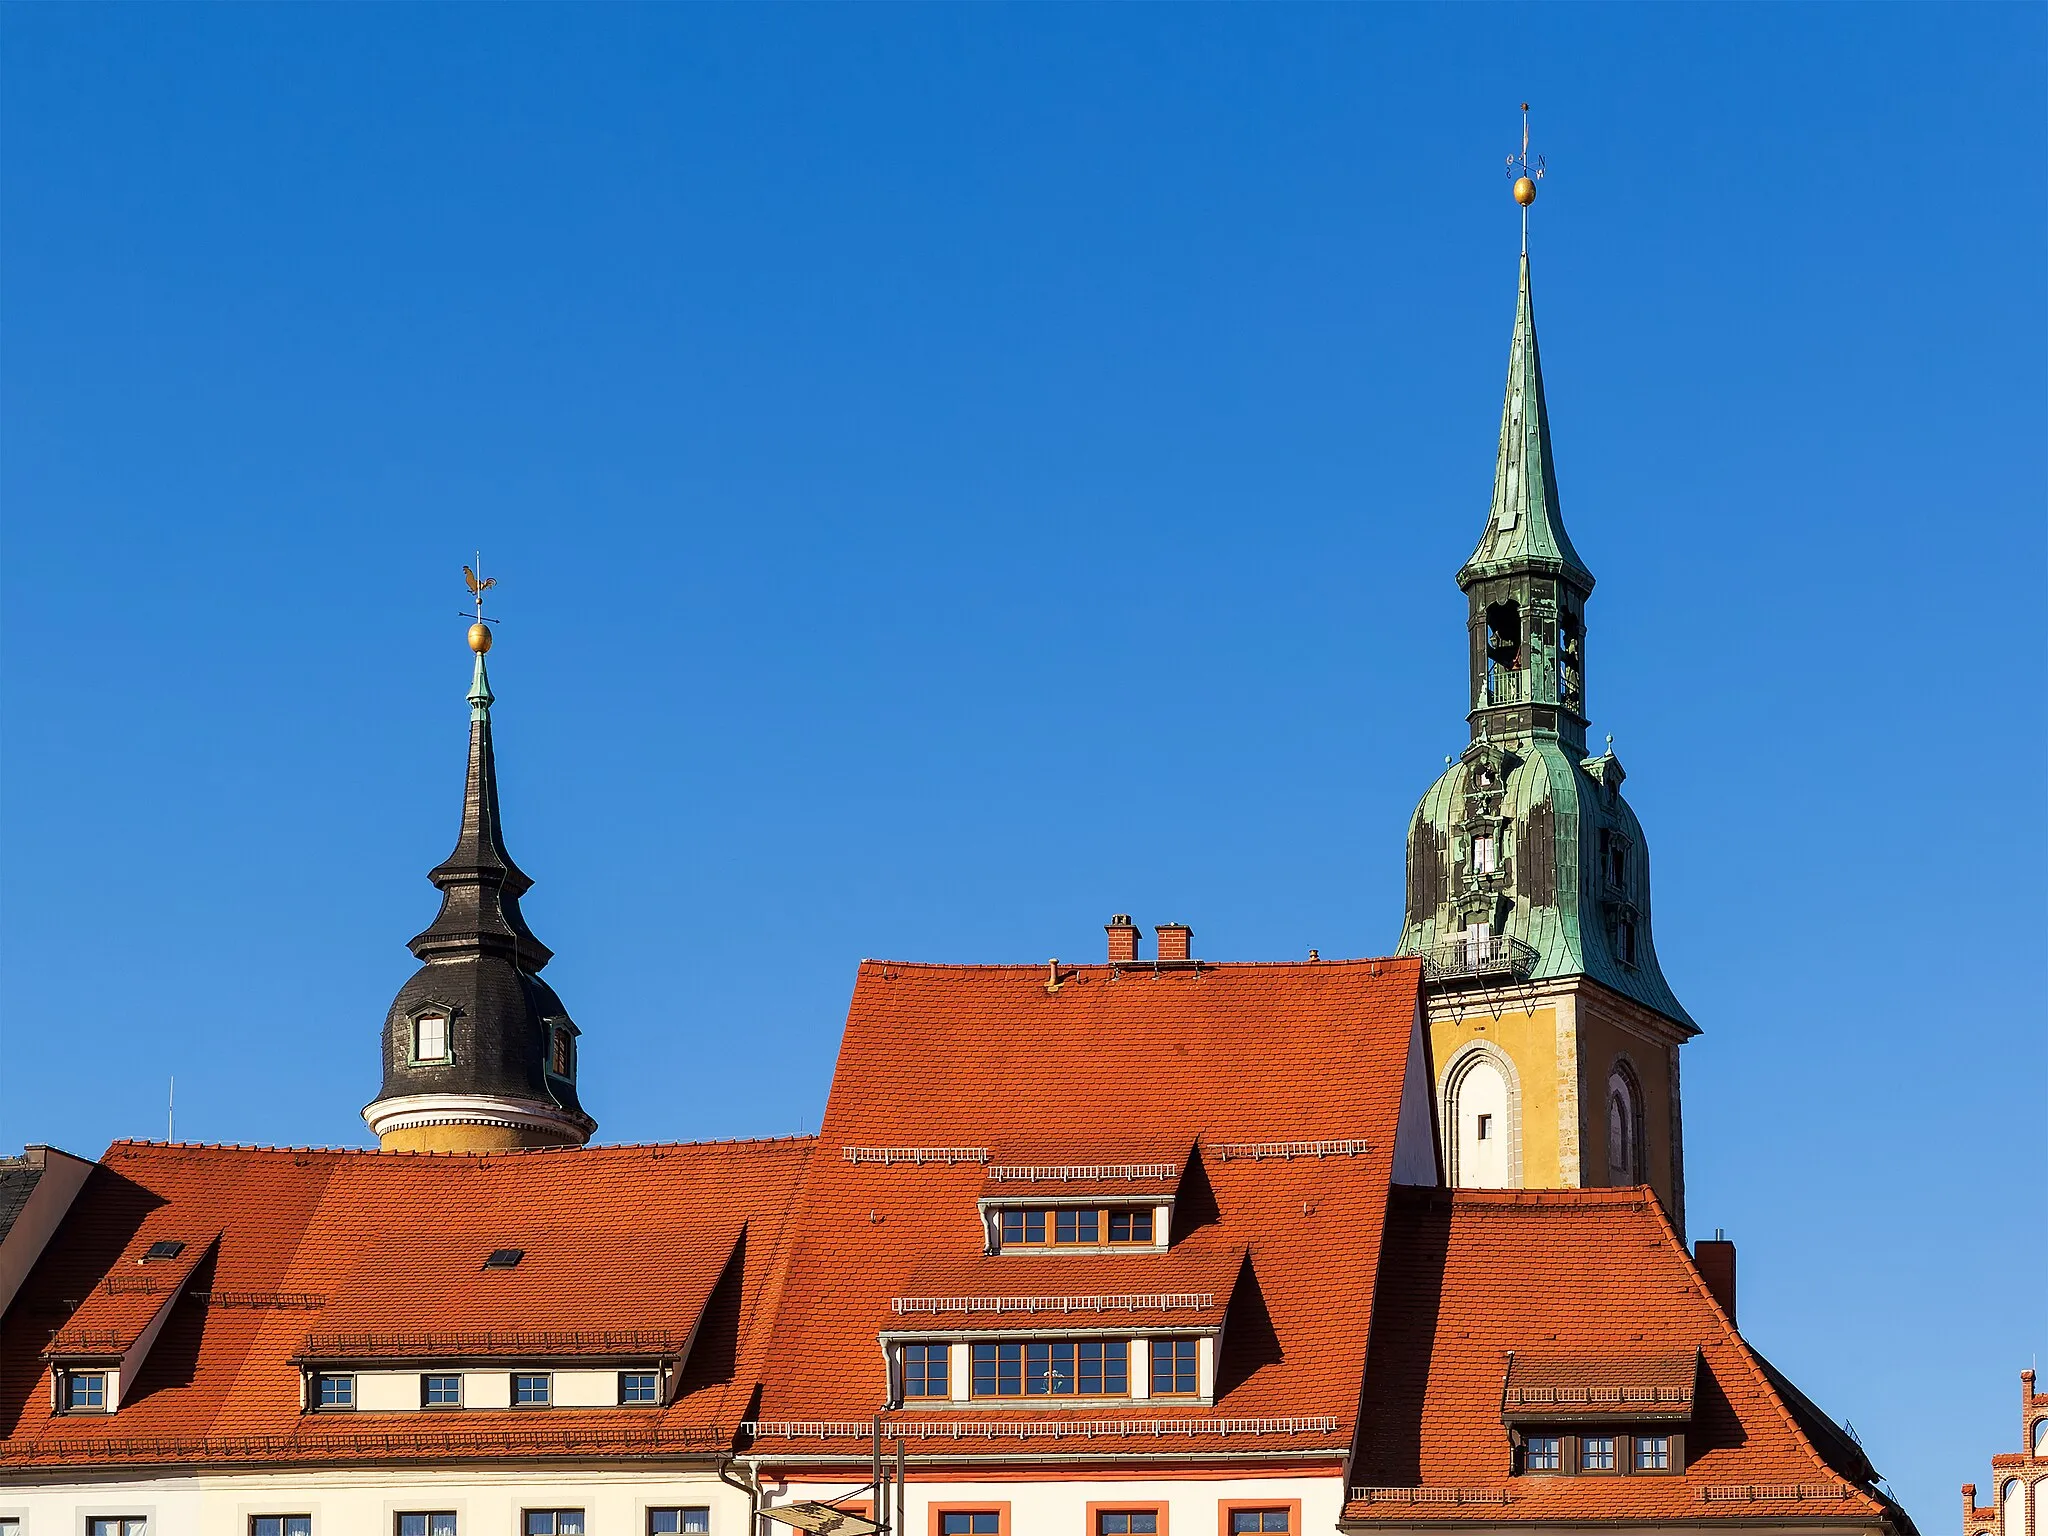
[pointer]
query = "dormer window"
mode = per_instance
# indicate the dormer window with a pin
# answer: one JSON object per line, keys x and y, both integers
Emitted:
{"x": 924, "y": 1371}
{"x": 1485, "y": 860}
{"x": 1078, "y": 1226}
{"x": 1174, "y": 1368}
{"x": 1545, "y": 1453}
{"x": 562, "y": 1052}
{"x": 430, "y": 1037}
{"x": 85, "y": 1392}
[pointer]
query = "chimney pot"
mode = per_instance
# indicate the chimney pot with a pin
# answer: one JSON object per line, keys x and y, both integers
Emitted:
{"x": 1715, "y": 1260}
{"x": 1123, "y": 937}
{"x": 1176, "y": 940}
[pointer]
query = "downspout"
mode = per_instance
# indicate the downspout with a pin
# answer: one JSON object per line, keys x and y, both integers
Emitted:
{"x": 751, "y": 1488}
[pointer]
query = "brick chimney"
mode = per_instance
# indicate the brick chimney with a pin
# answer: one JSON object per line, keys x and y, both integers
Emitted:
{"x": 1175, "y": 940}
{"x": 1123, "y": 937}
{"x": 1715, "y": 1258}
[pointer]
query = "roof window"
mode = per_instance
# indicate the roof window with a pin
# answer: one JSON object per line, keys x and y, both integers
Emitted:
{"x": 1081, "y": 1226}
{"x": 164, "y": 1248}
{"x": 504, "y": 1258}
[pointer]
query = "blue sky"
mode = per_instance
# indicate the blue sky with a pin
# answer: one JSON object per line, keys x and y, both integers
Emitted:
{"x": 957, "y": 473}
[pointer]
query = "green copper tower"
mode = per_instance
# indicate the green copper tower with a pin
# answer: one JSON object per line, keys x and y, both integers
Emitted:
{"x": 1524, "y": 860}
{"x": 1553, "y": 1030}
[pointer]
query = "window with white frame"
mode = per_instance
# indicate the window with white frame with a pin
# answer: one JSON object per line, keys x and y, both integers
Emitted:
{"x": 430, "y": 1037}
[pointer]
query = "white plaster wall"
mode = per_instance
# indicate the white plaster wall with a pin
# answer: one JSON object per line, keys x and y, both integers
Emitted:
{"x": 1060, "y": 1508}
{"x": 2012, "y": 1508}
{"x": 385, "y": 1391}
{"x": 364, "y": 1503}
{"x": 586, "y": 1389}
{"x": 486, "y": 1389}
{"x": 1482, "y": 1091}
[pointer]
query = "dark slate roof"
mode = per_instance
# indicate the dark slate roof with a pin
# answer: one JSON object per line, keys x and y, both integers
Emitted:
{"x": 18, "y": 1179}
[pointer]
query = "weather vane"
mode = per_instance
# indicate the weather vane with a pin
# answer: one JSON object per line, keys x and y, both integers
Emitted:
{"x": 480, "y": 631}
{"x": 1526, "y": 173}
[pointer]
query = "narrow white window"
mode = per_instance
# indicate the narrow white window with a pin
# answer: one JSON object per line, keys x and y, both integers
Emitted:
{"x": 430, "y": 1038}
{"x": 1483, "y": 859}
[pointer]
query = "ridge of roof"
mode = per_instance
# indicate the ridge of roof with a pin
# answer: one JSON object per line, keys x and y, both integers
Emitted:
{"x": 131, "y": 1144}
{"x": 1037, "y": 968}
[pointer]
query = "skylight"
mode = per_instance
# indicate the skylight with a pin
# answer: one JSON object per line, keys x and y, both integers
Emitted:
{"x": 504, "y": 1258}
{"x": 163, "y": 1248}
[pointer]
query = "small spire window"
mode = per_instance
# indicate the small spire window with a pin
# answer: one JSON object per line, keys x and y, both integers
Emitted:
{"x": 562, "y": 1052}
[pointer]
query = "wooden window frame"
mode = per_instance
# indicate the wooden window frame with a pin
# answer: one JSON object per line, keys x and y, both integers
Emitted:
{"x": 1225, "y": 1508}
{"x": 1621, "y": 1445}
{"x": 1157, "y": 1507}
{"x": 293, "y": 1516}
{"x": 1103, "y": 1213}
{"x": 945, "y": 1354}
{"x": 1194, "y": 1393}
{"x": 1000, "y": 1508}
{"x": 581, "y": 1511}
{"x": 1023, "y": 1394}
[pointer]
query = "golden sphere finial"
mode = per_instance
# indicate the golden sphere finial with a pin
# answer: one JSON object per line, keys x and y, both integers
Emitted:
{"x": 479, "y": 638}
{"x": 1525, "y": 191}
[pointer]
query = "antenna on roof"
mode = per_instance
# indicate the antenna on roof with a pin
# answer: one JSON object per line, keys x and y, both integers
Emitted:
{"x": 171, "y": 1111}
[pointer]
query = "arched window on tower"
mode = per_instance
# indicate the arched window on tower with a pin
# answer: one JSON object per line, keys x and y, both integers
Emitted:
{"x": 1624, "y": 1128}
{"x": 1571, "y": 663}
{"x": 1503, "y": 652}
{"x": 1480, "y": 1120}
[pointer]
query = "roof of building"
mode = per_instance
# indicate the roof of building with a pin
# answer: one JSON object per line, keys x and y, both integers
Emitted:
{"x": 1475, "y": 1281}
{"x": 628, "y": 1251}
{"x": 18, "y": 1179}
{"x": 1275, "y": 1090}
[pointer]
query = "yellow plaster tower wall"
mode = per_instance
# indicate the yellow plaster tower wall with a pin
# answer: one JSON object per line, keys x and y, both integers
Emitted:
{"x": 471, "y": 1138}
{"x": 1563, "y": 1039}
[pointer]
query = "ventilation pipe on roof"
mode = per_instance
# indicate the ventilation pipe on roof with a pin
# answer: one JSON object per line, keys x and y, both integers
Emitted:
{"x": 1176, "y": 940}
{"x": 1714, "y": 1257}
{"x": 1123, "y": 938}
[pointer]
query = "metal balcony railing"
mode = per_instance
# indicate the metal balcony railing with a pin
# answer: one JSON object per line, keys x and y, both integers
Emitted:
{"x": 1483, "y": 956}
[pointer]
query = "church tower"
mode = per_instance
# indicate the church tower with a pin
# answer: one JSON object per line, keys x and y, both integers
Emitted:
{"x": 479, "y": 1054}
{"x": 1555, "y": 1034}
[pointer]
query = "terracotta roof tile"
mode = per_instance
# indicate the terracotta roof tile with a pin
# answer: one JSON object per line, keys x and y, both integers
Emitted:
{"x": 1115, "y": 1067}
{"x": 1592, "y": 1275}
{"x": 312, "y": 1239}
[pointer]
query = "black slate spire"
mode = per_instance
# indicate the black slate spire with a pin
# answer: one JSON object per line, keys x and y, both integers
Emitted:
{"x": 480, "y": 885}
{"x": 479, "y": 1053}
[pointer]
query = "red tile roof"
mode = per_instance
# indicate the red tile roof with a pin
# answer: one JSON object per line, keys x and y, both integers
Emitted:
{"x": 1114, "y": 1068}
{"x": 1593, "y": 1275}
{"x": 618, "y": 1238}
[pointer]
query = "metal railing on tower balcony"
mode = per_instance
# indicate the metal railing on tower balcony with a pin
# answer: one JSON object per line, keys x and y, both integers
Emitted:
{"x": 1506, "y": 685}
{"x": 1479, "y": 957}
